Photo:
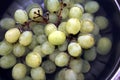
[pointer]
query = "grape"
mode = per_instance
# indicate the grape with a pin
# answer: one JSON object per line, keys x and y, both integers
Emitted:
{"x": 69, "y": 3}
{"x": 70, "y": 75}
{"x": 25, "y": 38}
{"x": 33, "y": 43}
{"x": 12, "y": 35}
{"x": 79, "y": 1}
{"x": 102, "y": 22}
{"x": 19, "y": 71}
{"x": 49, "y": 28}
{"x": 57, "y": 38}
{"x": 74, "y": 49}
{"x": 96, "y": 30}
{"x": 38, "y": 29}
{"x": 7, "y": 61}
{"x": 33, "y": 59}
{"x": 7, "y": 23}
{"x": 38, "y": 73}
{"x": 87, "y": 16}
{"x": 52, "y": 18}
{"x": 104, "y": 45}
{"x": 92, "y": 6}
{"x": 63, "y": 47}
{"x": 73, "y": 26}
{"x": 87, "y": 26}
{"x": 34, "y": 14}
{"x": 41, "y": 38}
{"x": 61, "y": 74}
{"x": 49, "y": 66}
{"x": 5, "y": 48}
{"x": 62, "y": 27}
{"x": 18, "y": 50}
{"x": 86, "y": 41}
{"x": 76, "y": 65}
{"x": 52, "y": 5}
{"x": 75, "y": 12}
{"x": 47, "y": 48}
{"x": 39, "y": 50}
{"x": 80, "y": 76}
{"x": 90, "y": 54}
{"x": 80, "y": 6}
{"x": 26, "y": 78}
{"x": 62, "y": 59}
{"x": 21, "y": 16}
{"x": 64, "y": 13}
{"x": 86, "y": 66}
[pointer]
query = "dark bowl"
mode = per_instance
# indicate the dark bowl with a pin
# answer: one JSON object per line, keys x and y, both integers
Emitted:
{"x": 104, "y": 67}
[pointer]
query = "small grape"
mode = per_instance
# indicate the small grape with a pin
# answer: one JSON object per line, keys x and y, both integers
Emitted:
{"x": 80, "y": 6}
{"x": 26, "y": 78}
{"x": 63, "y": 47}
{"x": 96, "y": 30}
{"x": 86, "y": 66}
{"x": 80, "y": 76}
{"x": 41, "y": 38}
{"x": 12, "y": 35}
{"x": 70, "y": 75}
{"x": 61, "y": 74}
{"x": 52, "y": 18}
{"x": 21, "y": 16}
{"x": 65, "y": 13}
{"x": 87, "y": 16}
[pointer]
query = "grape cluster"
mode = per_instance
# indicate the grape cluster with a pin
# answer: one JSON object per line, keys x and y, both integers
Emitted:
{"x": 65, "y": 35}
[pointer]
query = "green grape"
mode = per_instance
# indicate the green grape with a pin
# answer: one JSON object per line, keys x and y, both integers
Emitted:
{"x": 48, "y": 66}
{"x": 39, "y": 50}
{"x": 33, "y": 59}
{"x": 53, "y": 55}
{"x": 75, "y": 12}
{"x": 87, "y": 16}
{"x": 63, "y": 47}
{"x": 57, "y": 38}
{"x": 18, "y": 50}
{"x": 52, "y": 18}
{"x": 76, "y": 65}
{"x": 80, "y": 6}
{"x": 86, "y": 41}
{"x": 47, "y": 48}
{"x": 92, "y": 6}
{"x": 5, "y": 48}
{"x": 73, "y": 26}
{"x": 49, "y": 28}
{"x": 102, "y": 22}
{"x": 34, "y": 14}
{"x": 26, "y": 78}
{"x": 86, "y": 66}
{"x": 96, "y": 30}
{"x": 74, "y": 49}
{"x": 80, "y": 76}
{"x": 33, "y": 43}
{"x": 104, "y": 46}
{"x": 90, "y": 54}
{"x": 97, "y": 37}
{"x": 62, "y": 27}
{"x": 26, "y": 38}
{"x": 70, "y": 75}
{"x": 7, "y": 23}
{"x": 79, "y": 1}
{"x": 87, "y": 26}
{"x": 19, "y": 71}
{"x": 69, "y": 3}
{"x": 12, "y": 35}
{"x": 38, "y": 29}
{"x": 64, "y": 13}
{"x": 7, "y": 61}
{"x": 41, "y": 38}
{"x": 52, "y": 5}
{"x": 20, "y": 16}
{"x": 62, "y": 59}
{"x": 61, "y": 74}
{"x": 38, "y": 73}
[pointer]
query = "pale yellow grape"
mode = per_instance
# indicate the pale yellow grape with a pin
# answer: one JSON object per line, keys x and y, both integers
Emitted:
{"x": 74, "y": 49}
{"x": 21, "y": 16}
{"x": 38, "y": 73}
{"x": 80, "y": 6}
{"x": 26, "y": 78}
{"x": 61, "y": 74}
{"x": 87, "y": 26}
{"x": 33, "y": 59}
{"x": 73, "y": 26}
{"x": 75, "y": 12}
{"x": 70, "y": 75}
{"x": 25, "y": 38}
{"x": 57, "y": 38}
{"x": 34, "y": 16}
{"x": 19, "y": 71}
{"x": 86, "y": 41}
{"x": 12, "y": 35}
{"x": 49, "y": 28}
{"x": 87, "y": 16}
{"x": 62, "y": 59}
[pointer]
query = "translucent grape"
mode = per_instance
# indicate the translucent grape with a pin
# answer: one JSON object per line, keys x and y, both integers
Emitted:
{"x": 41, "y": 38}
{"x": 57, "y": 38}
{"x": 86, "y": 66}
{"x": 80, "y": 6}
{"x": 12, "y": 35}
{"x": 7, "y": 61}
{"x": 70, "y": 75}
{"x": 21, "y": 69}
{"x": 63, "y": 47}
{"x": 7, "y": 23}
{"x": 61, "y": 74}
{"x": 38, "y": 73}
{"x": 38, "y": 29}
{"x": 26, "y": 78}
{"x": 87, "y": 16}
{"x": 65, "y": 13}
{"x": 53, "y": 18}
{"x": 21, "y": 16}
{"x": 80, "y": 76}
{"x": 96, "y": 30}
